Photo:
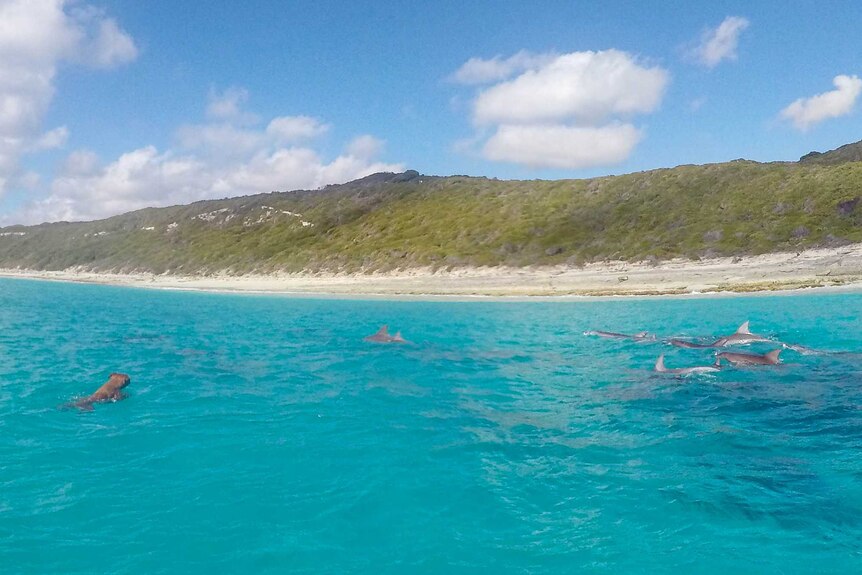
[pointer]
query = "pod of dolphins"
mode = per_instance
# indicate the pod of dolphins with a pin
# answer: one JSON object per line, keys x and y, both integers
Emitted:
{"x": 742, "y": 336}
{"x": 112, "y": 390}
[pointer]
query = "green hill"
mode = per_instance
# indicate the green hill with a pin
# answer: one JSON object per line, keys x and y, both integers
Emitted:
{"x": 846, "y": 153}
{"x": 398, "y": 221}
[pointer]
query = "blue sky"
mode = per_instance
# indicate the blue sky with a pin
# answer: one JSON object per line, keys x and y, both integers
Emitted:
{"x": 116, "y": 105}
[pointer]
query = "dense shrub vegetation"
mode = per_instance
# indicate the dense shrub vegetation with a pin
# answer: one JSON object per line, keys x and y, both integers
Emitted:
{"x": 397, "y": 221}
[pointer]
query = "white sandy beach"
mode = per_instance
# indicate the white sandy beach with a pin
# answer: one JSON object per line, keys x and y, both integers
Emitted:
{"x": 785, "y": 271}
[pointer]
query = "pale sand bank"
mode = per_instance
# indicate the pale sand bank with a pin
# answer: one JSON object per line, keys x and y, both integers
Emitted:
{"x": 812, "y": 268}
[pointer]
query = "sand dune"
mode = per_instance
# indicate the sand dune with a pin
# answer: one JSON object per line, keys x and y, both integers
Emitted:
{"x": 812, "y": 268}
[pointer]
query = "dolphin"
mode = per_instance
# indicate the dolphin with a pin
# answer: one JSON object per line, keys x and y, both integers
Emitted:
{"x": 689, "y": 344}
{"x": 640, "y": 336}
{"x": 383, "y": 336}
{"x": 806, "y": 350}
{"x": 741, "y": 336}
{"x": 110, "y": 391}
{"x": 660, "y": 368}
{"x": 770, "y": 358}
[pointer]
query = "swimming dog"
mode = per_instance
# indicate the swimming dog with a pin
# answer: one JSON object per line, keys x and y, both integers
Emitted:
{"x": 110, "y": 391}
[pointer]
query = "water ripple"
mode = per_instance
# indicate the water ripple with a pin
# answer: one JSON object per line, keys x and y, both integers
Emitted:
{"x": 263, "y": 435}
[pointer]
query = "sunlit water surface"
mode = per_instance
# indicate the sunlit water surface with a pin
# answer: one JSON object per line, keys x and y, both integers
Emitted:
{"x": 263, "y": 435}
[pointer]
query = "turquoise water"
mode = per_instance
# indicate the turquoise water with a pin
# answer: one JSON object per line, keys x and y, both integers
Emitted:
{"x": 262, "y": 435}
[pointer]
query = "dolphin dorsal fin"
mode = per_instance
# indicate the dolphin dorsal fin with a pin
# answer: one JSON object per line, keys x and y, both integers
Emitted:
{"x": 384, "y": 330}
{"x": 659, "y": 363}
{"x": 642, "y": 334}
{"x": 744, "y": 329}
{"x": 773, "y": 355}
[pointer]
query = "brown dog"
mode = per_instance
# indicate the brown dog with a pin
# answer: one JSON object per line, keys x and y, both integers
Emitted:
{"x": 108, "y": 392}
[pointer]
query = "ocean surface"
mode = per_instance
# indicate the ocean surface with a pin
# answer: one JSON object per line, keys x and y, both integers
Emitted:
{"x": 263, "y": 435}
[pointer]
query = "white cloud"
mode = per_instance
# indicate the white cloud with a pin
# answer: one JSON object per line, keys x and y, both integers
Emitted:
{"x": 29, "y": 180}
{"x": 107, "y": 45}
{"x": 365, "y": 147}
{"x": 226, "y": 139}
{"x": 36, "y": 36}
{"x": 223, "y": 140}
{"x": 287, "y": 129}
{"x": 560, "y": 146}
{"x": 80, "y": 163}
{"x": 226, "y": 105}
{"x": 567, "y": 111}
{"x": 52, "y": 139}
{"x": 806, "y": 112}
{"x": 213, "y": 160}
{"x": 720, "y": 43}
{"x": 481, "y": 71}
{"x": 587, "y": 87}
{"x": 35, "y": 32}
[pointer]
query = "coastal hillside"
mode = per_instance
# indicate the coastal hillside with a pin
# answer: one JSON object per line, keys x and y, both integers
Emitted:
{"x": 398, "y": 221}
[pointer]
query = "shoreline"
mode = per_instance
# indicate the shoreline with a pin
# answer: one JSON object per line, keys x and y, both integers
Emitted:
{"x": 827, "y": 269}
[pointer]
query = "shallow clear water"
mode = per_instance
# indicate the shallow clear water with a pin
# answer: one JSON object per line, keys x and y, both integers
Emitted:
{"x": 262, "y": 435}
